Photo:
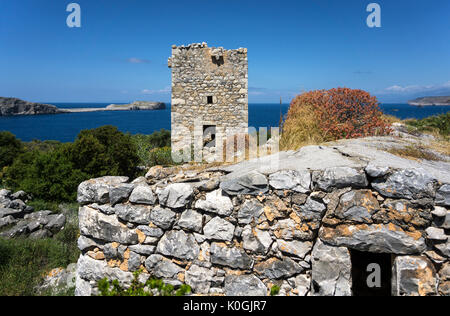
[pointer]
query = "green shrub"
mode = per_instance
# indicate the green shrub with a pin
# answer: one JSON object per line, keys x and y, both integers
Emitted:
{"x": 10, "y": 148}
{"x": 49, "y": 175}
{"x": 104, "y": 151}
{"x": 150, "y": 288}
{"x": 161, "y": 156}
{"x": 52, "y": 171}
{"x": 145, "y": 143}
{"x": 439, "y": 124}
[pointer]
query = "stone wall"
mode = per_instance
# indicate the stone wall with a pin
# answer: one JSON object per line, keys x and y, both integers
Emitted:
{"x": 199, "y": 72}
{"x": 241, "y": 235}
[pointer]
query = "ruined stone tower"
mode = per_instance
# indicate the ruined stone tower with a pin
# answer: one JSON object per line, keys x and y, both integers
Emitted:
{"x": 209, "y": 93}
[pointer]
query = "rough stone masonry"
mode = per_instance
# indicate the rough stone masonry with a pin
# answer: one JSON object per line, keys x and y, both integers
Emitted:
{"x": 209, "y": 92}
{"x": 239, "y": 230}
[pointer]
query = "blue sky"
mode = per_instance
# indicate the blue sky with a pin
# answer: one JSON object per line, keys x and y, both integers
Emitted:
{"x": 120, "y": 52}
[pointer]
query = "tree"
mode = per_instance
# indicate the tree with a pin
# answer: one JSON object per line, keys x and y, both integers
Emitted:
{"x": 10, "y": 148}
{"x": 104, "y": 151}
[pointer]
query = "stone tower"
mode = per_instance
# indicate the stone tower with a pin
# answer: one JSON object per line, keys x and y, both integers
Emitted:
{"x": 209, "y": 93}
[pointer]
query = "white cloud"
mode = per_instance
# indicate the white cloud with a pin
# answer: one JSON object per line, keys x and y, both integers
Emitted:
{"x": 148, "y": 91}
{"x": 417, "y": 88}
{"x": 134, "y": 60}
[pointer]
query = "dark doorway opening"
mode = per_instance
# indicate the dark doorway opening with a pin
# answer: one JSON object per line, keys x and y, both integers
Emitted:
{"x": 371, "y": 273}
{"x": 209, "y": 98}
{"x": 209, "y": 136}
{"x": 219, "y": 61}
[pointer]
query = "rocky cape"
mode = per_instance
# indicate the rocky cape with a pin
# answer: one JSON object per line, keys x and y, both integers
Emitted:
{"x": 135, "y": 106}
{"x": 429, "y": 101}
{"x": 14, "y": 106}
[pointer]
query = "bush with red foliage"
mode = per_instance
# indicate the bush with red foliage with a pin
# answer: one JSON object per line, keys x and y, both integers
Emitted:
{"x": 339, "y": 113}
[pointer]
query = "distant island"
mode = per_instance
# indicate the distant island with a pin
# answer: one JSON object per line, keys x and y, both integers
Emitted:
{"x": 135, "y": 106}
{"x": 15, "y": 107}
{"x": 429, "y": 101}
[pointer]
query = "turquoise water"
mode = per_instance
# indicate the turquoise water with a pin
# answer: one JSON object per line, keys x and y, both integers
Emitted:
{"x": 65, "y": 127}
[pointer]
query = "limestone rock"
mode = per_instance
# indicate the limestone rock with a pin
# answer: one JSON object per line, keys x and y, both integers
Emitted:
{"x": 191, "y": 220}
{"x": 138, "y": 214}
{"x": 56, "y": 222}
{"x": 376, "y": 171}
{"x": 143, "y": 194}
{"x": 374, "y": 238}
{"x": 166, "y": 269}
{"x": 275, "y": 269}
{"x": 120, "y": 192}
{"x": 97, "y": 190}
{"x": 219, "y": 229}
{"x": 434, "y": 233}
{"x": 199, "y": 279}
{"x": 178, "y": 244}
{"x": 95, "y": 270}
{"x": 162, "y": 217}
{"x": 151, "y": 231}
{"x": 145, "y": 250}
{"x": 244, "y": 285}
{"x": 357, "y": 206}
{"x": 291, "y": 180}
{"x": 413, "y": 276}
{"x": 443, "y": 195}
{"x": 295, "y": 248}
{"x": 175, "y": 195}
{"x": 256, "y": 240}
{"x": 231, "y": 257}
{"x": 409, "y": 184}
{"x": 339, "y": 177}
{"x": 252, "y": 183}
{"x": 104, "y": 227}
{"x": 288, "y": 229}
{"x": 312, "y": 210}
{"x": 249, "y": 211}
{"x": 216, "y": 202}
{"x": 331, "y": 270}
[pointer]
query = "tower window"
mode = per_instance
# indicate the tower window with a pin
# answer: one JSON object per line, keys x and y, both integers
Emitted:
{"x": 209, "y": 99}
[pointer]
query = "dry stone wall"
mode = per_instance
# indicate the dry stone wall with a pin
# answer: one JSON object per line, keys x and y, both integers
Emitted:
{"x": 300, "y": 230}
{"x": 210, "y": 86}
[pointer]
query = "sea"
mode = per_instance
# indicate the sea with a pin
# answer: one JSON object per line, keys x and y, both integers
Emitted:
{"x": 65, "y": 127}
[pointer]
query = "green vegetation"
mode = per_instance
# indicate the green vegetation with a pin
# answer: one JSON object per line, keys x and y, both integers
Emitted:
{"x": 24, "y": 262}
{"x": 147, "y": 148}
{"x": 439, "y": 124}
{"x": 151, "y": 287}
{"x": 10, "y": 148}
{"x": 274, "y": 290}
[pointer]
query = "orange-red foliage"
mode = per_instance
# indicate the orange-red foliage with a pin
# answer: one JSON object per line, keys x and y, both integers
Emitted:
{"x": 340, "y": 113}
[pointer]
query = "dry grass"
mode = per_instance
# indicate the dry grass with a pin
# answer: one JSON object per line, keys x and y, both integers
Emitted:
{"x": 391, "y": 119}
{"x": 415, "y": 152}
{"x": 301, "y": 131}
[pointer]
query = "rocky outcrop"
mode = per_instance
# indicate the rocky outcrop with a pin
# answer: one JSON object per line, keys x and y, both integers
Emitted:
{"x": 14, "y": 106}
{"x": 20, "y": 220}
{"x": 426, "y": 101}
{"x": 242, "y": 229}
{"x": 137, "y": 105}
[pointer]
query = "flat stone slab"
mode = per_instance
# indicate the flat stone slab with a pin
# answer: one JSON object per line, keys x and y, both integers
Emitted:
{"x": 374, "y": 238}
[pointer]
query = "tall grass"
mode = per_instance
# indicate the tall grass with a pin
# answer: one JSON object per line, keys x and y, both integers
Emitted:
{"x": 24, "y": 262}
